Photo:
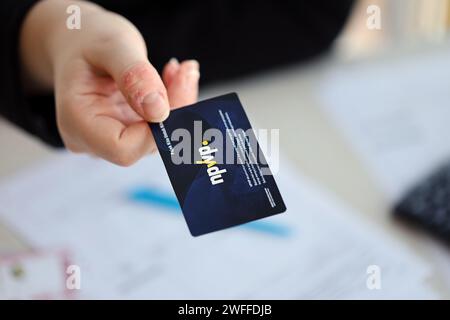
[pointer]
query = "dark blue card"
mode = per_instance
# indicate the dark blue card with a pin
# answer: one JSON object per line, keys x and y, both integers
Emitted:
{"x": 216, "y": 167}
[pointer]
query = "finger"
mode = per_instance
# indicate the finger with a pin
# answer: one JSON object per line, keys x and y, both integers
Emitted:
{"x": 124, "y": 57}
{"x": 170, "y": 70}
{"x": 183, "y": 89}
{"x": 110, "y": 139}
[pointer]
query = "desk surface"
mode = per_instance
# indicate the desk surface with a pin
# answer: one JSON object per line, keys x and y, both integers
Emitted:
{"x": 284, "y": 99}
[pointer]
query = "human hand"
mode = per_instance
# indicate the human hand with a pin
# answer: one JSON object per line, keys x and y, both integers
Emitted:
{"x": 106, "y": 90}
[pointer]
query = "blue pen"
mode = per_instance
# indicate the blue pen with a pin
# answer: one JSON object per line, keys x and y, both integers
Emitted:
{"x": 151, "y": 196}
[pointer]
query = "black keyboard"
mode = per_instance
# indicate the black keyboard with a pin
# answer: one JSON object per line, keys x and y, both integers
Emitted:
{"x": 428, "y": 203}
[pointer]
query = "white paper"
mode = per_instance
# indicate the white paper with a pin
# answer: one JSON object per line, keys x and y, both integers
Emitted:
{"x": 134, "y": 250}
{"x": 396, "y": 114}
{"x": 33, "y": 276}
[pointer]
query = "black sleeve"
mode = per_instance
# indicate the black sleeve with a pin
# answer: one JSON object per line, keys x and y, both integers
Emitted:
{"x": 35, "y": 114}
{"x": 230, "y": 38}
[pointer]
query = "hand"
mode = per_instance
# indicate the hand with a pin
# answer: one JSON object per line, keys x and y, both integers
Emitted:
{"x": 105, "y": 88}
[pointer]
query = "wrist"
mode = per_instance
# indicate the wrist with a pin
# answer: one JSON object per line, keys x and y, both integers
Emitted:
{"x": 45, "y": 38}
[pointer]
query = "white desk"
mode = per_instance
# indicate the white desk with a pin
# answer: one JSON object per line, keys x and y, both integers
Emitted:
{"x": 283, "y": 99}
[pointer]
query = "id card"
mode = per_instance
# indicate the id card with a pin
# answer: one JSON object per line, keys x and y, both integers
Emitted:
{"x": 215, "y": 164}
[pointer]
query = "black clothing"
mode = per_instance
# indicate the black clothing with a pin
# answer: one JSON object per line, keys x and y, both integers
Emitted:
{"x": 229, "y": 38}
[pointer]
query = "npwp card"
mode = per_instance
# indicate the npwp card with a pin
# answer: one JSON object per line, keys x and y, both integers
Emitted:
{"x": 216, "y": 166}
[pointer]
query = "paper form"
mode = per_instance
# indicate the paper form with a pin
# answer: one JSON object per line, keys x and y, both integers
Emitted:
{"x": 34, "y": 275}
{"x": 396, "y": 114}
{"x": 130, "y": 240}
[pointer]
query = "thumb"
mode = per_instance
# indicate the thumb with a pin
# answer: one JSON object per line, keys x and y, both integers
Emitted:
{"x": 125, "y": 60}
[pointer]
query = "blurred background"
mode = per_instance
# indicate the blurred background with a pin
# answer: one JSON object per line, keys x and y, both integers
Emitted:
{"x": 404, "y": 24}
{"x": 365, "y": 153}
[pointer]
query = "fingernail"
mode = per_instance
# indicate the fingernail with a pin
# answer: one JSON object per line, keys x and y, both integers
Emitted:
{"x": 154, "y": 107}
{"x": 193, "y": 75}
{"x": 194, "y": 64}
{"x": 174, "y": 61}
